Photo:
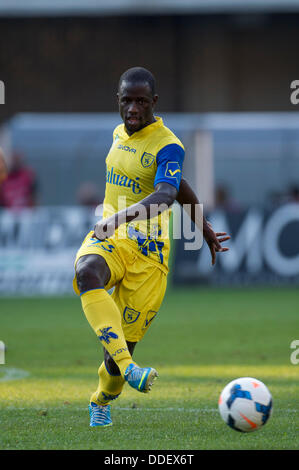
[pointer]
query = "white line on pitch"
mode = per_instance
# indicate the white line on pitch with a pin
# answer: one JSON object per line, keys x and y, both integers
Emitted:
{"x": 11, "y": 373}
{"x": 77, "y": 408}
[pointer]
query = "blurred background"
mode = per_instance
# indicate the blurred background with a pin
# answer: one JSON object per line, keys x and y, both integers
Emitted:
{"x": 225, "y": 73}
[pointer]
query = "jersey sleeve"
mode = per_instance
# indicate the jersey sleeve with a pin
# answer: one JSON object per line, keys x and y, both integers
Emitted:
{"x": 170, "y": 165}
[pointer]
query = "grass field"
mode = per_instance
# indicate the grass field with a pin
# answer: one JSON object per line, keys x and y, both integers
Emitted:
{"x": 201, "y": 340}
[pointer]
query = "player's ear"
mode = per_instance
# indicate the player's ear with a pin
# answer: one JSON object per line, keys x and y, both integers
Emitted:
{"x": 117, "y": 98}
{"x": 155, "y": 99}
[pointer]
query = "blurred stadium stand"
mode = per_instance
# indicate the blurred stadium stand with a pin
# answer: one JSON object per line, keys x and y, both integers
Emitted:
{"x": 259, "y": 150}
{"x": 202, "y": 62}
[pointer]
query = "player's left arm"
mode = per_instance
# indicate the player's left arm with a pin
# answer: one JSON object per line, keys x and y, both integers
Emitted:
{"x": 187, "y": 196}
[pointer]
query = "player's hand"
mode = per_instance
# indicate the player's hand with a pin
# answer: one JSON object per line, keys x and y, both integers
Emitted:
{"x": 105, "y": 228}
{"x": 214, "y": 240}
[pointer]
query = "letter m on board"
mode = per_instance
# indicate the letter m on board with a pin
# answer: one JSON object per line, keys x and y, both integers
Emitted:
{"x": 2, "y": 92}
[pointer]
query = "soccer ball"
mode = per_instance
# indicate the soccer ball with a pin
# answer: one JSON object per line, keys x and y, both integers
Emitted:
{"x": 245, "y": 404}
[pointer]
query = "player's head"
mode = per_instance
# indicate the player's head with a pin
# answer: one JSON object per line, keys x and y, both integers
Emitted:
{"x": 137, "y": 98}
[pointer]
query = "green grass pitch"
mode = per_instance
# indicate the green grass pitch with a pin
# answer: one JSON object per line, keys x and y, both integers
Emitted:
{"x": 201, "y": 340}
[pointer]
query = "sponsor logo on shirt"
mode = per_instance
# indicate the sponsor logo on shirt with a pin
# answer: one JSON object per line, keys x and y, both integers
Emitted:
{"x": 122, "y": 180}
{"x": 126, "y": 148}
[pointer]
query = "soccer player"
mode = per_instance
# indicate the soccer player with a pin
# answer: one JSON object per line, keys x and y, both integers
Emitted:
{"x": 129, "y": 247}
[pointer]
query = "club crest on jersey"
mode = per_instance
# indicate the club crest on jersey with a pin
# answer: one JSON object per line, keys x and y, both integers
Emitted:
{"x": 147, "y": 159}
{"x": 130, "y": 315}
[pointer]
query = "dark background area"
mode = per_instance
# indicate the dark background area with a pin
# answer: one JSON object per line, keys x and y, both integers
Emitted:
{"x": 201, "y": 62}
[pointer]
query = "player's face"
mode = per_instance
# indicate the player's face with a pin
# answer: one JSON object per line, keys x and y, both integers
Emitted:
{"x": 136, "y": 105}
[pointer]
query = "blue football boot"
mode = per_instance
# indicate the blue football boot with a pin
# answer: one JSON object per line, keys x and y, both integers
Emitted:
{"x": 99, "y": 415}
{"x": 140, "y": 378}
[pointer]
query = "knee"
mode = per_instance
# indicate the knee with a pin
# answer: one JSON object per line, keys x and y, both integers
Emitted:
{"x": 91, "y": 273}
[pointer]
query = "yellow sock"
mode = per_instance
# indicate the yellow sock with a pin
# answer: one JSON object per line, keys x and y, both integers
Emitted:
{"x": 110, "y": 386}
{"x": 104, "y": 317}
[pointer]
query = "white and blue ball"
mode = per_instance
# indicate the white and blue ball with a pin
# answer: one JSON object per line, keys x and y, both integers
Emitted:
{"x": 245, "y": 404}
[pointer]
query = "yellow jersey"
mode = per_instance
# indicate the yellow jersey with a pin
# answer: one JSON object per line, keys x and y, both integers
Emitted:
{"x": 134, "y": 166}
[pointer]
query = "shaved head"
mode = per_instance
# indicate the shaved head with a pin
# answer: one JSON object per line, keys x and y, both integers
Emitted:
{"x": 138, "y": 75}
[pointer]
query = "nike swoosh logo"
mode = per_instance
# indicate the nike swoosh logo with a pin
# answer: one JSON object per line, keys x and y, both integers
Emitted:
{"x": 251, "y": 423}
{"x": 174, "y": 172}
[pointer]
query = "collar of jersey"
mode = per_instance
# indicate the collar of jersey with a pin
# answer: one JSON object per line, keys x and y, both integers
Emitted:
{"x": 145, "y": 131}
